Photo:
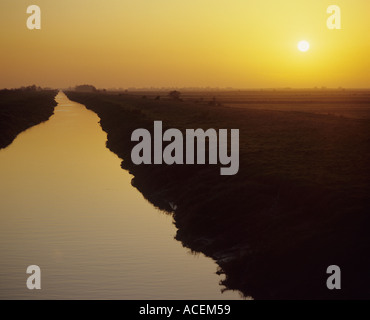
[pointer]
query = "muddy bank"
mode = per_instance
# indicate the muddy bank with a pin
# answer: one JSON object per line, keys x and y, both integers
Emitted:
{"x": 299, "y": 203}
{"x": 20, "y": 110}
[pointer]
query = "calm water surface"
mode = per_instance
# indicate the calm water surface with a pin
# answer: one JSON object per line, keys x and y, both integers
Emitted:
{"x": 68, "y": 207}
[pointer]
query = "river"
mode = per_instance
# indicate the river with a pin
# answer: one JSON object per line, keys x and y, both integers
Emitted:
{"x": 68, "y": 207}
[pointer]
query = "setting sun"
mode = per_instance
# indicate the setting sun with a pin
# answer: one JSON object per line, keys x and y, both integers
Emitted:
{"x": 303, "y": 46}
{"x": 123, "y": 44}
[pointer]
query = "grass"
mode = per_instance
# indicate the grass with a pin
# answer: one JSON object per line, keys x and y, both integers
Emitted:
{"x": 21, "y": 109}
{"x": 299, "y": 203}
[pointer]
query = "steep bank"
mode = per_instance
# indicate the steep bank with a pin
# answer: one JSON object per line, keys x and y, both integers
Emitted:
{"x": 299, "y": 203}
{"x": 20, "y": 110}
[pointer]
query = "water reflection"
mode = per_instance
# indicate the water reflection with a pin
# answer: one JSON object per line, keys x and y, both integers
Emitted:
{"x": 68, "y": 207}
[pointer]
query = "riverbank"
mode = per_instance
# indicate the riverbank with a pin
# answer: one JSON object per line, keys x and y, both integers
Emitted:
{"x": 22, "y": 109}
{"x": 299, "y": 203}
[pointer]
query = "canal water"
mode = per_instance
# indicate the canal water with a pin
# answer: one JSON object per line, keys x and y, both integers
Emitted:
{"x": 68, "y": 207}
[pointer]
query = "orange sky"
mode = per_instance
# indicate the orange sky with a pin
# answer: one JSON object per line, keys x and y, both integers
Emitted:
{"x": 166, "y": 43}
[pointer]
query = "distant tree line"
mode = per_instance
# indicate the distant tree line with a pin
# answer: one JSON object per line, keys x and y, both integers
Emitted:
{"x": 32, "y": 88}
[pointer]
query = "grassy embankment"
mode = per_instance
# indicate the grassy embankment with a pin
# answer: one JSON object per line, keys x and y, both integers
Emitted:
{"x": 21, "y": 109}
{"x": 299, "y": 203}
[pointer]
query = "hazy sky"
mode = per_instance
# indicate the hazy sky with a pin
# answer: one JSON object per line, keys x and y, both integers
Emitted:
{"x": 216, "y": 43}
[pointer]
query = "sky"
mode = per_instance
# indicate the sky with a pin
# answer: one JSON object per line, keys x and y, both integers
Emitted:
{"x": 185, "y": 43}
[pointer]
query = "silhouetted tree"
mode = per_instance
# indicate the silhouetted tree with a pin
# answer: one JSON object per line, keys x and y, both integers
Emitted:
{"x": 85, "y": 88}
{"x": 175, "y": 95}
